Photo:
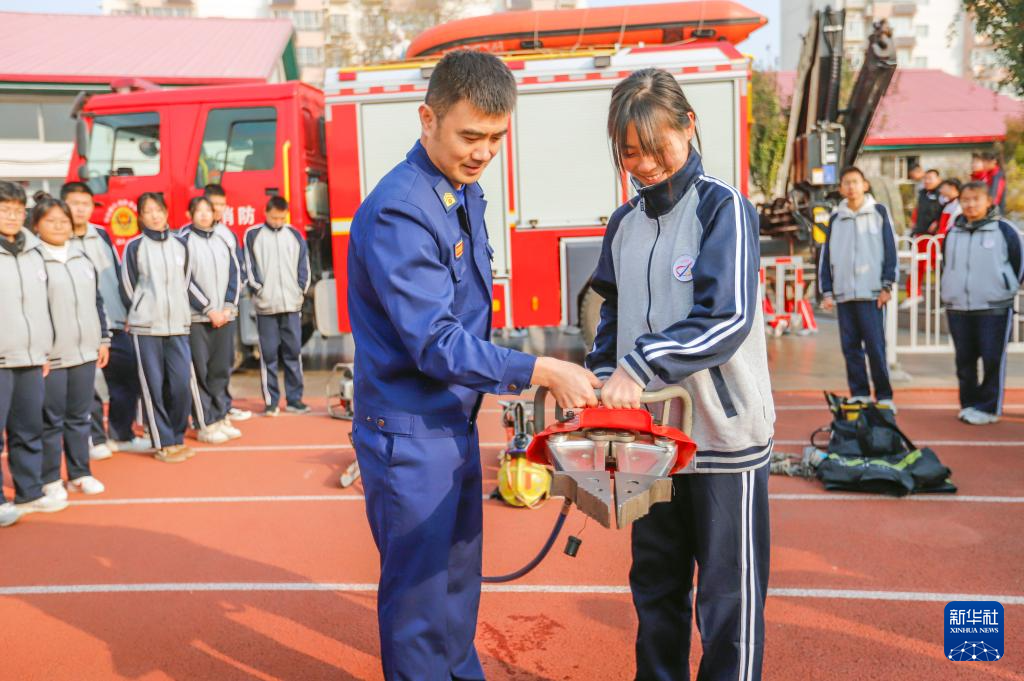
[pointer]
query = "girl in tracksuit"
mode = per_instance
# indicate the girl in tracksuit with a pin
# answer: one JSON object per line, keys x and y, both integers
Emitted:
{"x": 81, "y": 343}
{"x": 212, "y": 337}
{"x": 982, "y": 270}
{"x": 156, "y": 287}
{"x": 679, "y": 274}
{"x": 24, "y": 348}
{"x": 856, "y": 271}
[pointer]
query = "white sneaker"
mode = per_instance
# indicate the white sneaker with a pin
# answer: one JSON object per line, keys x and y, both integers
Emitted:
{"x": 213, "y": 435}
{"x": 858, "y": 399}
{"x": 55, "y": 490}
{"x": 228, "y": 429}
{"x": 100, "y": 452}
{"x": 976, "y": 417}
{"x": 136, "y": 444}
{"x": 963, "y": 412}
{"x": 43, "y": 504}
{"x": 910, "y": 302}
{"x": 237, "y": 414}
{"x": 86, "y": 485}
{"x": 9, "y": 514}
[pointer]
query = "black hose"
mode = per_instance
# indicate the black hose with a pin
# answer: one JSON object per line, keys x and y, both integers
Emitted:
{"x": 544, "y": 551}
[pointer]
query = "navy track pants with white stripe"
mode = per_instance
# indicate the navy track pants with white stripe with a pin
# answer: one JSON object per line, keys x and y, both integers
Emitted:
{"x": 165, "y": 369}
{"x": 280, "y": 338}
{"x": 717, "y": 522}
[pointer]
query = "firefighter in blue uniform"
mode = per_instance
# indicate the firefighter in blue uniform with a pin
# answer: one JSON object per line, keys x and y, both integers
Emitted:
{"x": 420, "y": 305}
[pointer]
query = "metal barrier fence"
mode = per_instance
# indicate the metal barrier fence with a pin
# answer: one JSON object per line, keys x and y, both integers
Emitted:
{"x": 784, "y": 299}
{"x": 917, "y": 325}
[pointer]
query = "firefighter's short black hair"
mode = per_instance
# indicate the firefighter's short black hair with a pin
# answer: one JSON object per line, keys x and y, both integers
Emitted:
{"x": 276, "y": 203}
{"x": 478, "y": 77}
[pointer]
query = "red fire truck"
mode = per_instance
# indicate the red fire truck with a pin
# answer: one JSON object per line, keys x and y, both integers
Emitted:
{"x": 550, "y": 192}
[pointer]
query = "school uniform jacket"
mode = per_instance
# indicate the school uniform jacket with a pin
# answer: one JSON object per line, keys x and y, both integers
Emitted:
{"x": 679, "y": 274}
{"x": 100, "y": 251}
{"x": 277, "y": 266}
{"x": 858, "y": 259}
{"x": 156, "y": 285}
{"x": 76, "y": 307}
{"x": 214, "y": 269}
{"x": 982, "y": 264}
{"x": 27, "y": 334}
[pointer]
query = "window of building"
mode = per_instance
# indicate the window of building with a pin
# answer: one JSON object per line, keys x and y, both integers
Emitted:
{"x": 166, "y": 11}
{"x": 855, "y": 28}
{"x": 58, "y": 126}
{"x": 904, "y": 58}
{"x": 901, "y": 26}
{"x": 920, "y": 62}
{"x": 856, "y": 60}
{"x": 302, "y": 20}
{"x": 21, "y": 120}
{"x": 339, "y": 23}
{"x": 237, "y": 140}
{"x": 310, "y": 56}
{"x": 903, "y": 166}
{"x": 127, "y": 144}
{"x": 921, "y": 30}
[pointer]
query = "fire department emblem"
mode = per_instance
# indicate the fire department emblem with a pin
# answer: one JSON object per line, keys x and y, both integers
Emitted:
{"x": 122, "y": 216}
{"x": 449, "y": 199}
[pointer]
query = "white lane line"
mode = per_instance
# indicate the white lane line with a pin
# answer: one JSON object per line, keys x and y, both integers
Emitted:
{"x": 936, "y": 443}
{"x": 966, "y": 499}
{"x": 350, "y": 587}
{"x": 901, "y": 407}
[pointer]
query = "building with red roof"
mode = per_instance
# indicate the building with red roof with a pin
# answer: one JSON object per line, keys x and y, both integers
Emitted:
{"x": 49, "y": 58}
{"x": 931, "y": 118}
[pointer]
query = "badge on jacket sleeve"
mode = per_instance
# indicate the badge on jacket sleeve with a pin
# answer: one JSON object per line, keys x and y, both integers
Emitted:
{"x": 682, "y": 268}
{"x": 449, "y": 199}
{"x": 459, "y": 247}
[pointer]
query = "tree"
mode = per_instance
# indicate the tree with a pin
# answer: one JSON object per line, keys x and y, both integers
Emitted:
{"x": 768, "y": 133}
{"x": 1002, "y": 21}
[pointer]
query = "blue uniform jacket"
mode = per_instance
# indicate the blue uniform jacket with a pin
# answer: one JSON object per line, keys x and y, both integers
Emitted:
{"x": 419, "y": 299}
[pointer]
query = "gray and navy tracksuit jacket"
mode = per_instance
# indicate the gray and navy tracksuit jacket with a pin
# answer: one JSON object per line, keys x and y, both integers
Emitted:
{"x": 277, "y": 267}
{"x": 982, "y": 264}
{"x": 27, "y": 335}
{"x": 100, "y": 251}
{"x": 858, "y": 259}
{"x": 679, "y": 274}
{"x": 76, "y": 306}
{"x": 215, "y": 271}
{"x": 157, "y": 306}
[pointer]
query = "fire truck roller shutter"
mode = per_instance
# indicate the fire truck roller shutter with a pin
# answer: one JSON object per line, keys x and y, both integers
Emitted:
{"x": 388, "y": 129}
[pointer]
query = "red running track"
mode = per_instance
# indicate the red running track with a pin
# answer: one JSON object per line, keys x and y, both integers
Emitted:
{"x": 248, "y": 562}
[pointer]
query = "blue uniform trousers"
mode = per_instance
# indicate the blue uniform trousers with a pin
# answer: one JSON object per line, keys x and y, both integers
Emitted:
{"x": 213, "y": 353}
{"x": 21, "y": 419}
{"x": 717, "y": 522}
{"x": 862, "y": 332}
{"x": 66, "y": 420}
{"x": 984, "y": 337}
{"x": 122, "y": 376}
{"x": 165, "y": 365}
{"x": 280, "y": 337}
{"x": 424, "y": 504}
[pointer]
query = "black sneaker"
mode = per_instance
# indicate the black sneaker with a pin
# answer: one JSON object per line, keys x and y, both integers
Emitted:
{"x": 297, "y": 408}
{"x": 271, "y": 411}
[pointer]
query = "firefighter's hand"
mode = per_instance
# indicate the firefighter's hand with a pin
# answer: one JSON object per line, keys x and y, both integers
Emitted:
{"x": 104, "y": 357}
{"x": 884, "y": 298}
{"x": 828, "y": 303}
{"x": 621, "y": 391}
{"x": 572, "y": 385}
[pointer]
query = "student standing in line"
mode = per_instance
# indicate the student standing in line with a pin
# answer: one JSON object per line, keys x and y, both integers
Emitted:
{"x": 949, "y": 197}
{"x": 212, "y": 336}
{"x": 982, "y": 270}
{"x": 277, "y": 264}
{"x": 219, "y": 200}
{"x": 80, "y": 344}
{"x": 121, "y": 371}
{"x": 678, "y": 270}
{"x": 856, "y": 273}
{"x": 925, "y": 220}
{"x": 24, "y": 347}
{"x": 996, "y": 180}
{"x": 156, "y": 288}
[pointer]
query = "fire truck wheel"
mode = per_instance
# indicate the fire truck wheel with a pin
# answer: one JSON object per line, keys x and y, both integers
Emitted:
{"x": 590, "y": 315}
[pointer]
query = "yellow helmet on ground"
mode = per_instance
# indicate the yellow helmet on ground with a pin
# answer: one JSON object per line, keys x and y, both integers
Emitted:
{"x": 522, "y": 482}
